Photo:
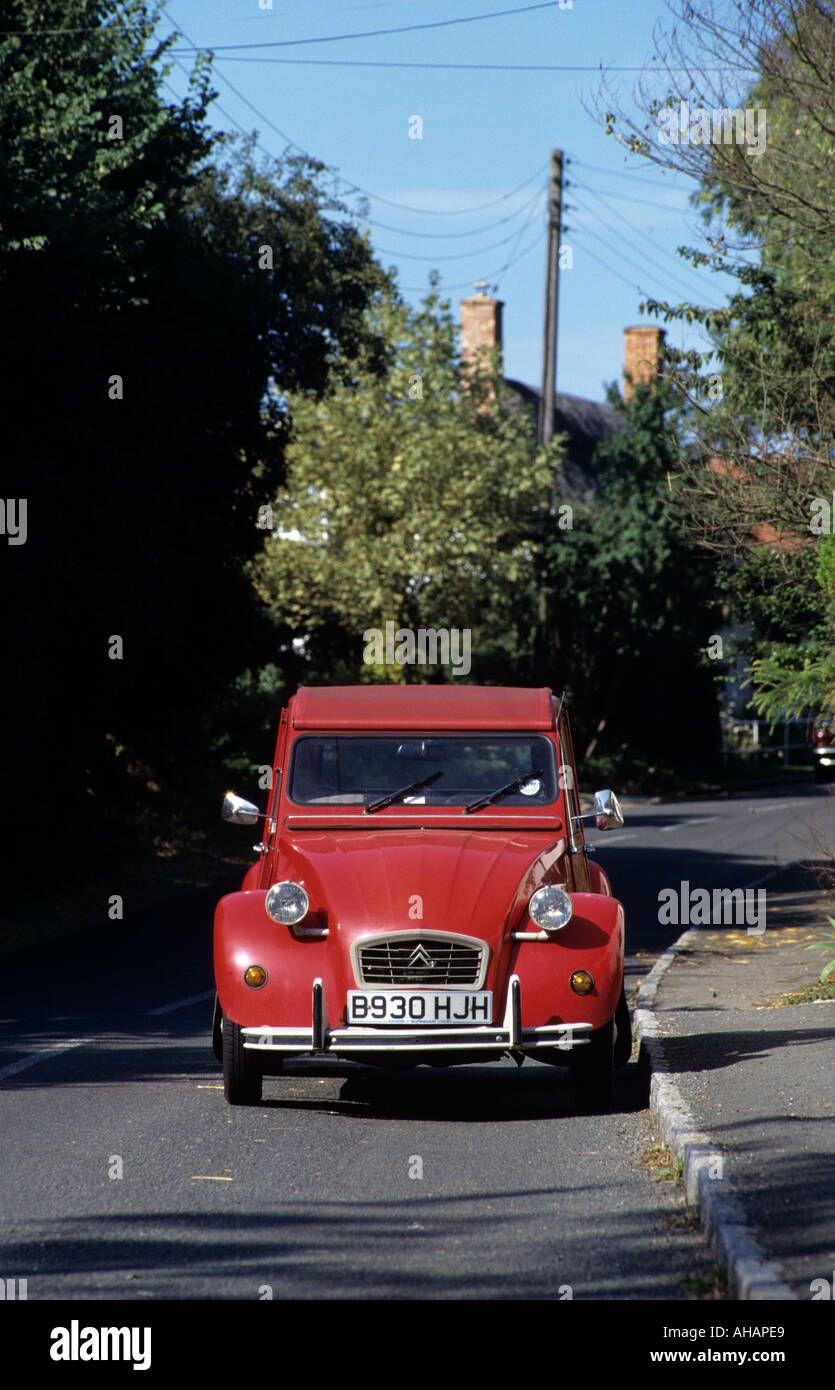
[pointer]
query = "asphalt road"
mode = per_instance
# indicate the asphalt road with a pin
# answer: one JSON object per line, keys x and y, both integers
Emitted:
{"x": 125, "y": 1175}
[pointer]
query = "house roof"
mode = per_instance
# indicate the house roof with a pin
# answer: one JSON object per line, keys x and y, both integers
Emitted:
{"x": 427, "y": 707}
{"x": 575, "y": 415}
{"x": 584, "y": 422}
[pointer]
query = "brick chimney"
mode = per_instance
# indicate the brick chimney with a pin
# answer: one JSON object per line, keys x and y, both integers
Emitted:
{"x": 643, "y": 347}
{"x": 481, "y": 327}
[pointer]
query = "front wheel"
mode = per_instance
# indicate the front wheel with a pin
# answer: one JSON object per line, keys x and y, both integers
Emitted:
{"x": 590, "y": 1069}
{"x": 217, "y": 1030}
{"x": 623, "y": 1032}
{"x": 242, "y": 1075}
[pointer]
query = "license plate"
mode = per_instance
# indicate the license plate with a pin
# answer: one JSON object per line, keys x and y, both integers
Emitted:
{"x": 420, "y": 1006}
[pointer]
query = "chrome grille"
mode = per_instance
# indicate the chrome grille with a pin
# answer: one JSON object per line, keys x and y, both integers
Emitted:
{"x": 421, "y": 960}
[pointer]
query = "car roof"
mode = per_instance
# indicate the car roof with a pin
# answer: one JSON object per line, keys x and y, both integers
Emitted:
{"x": 494, "y": 707}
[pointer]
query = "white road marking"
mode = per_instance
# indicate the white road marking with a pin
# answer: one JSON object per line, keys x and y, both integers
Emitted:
{"x": 182, "y": 1003}
{"x": 596, "y": 844}
{"x": 679, "y": 824}
{"x": 761, "y": 810}
{"x": 35, "y": 1057}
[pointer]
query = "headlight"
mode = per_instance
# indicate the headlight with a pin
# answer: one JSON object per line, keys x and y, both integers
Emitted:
{"x": 550, "y": 908}
{"x": 287, "y": 903}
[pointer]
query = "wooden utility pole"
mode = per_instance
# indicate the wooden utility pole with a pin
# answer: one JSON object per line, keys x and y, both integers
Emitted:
{"x": 545, "y": 429}
{"x": 552, "y": 269}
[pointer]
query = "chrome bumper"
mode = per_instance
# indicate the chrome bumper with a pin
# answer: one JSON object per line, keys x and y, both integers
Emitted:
{"x": 508, "y": 1036}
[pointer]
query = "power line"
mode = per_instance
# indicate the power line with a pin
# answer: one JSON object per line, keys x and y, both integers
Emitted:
{"x": 615, "y": 251}
{"x": 371, "y": 222}
{"x": 217, "y": 104}
{"x": 656, "y": 248}
{"x": 458, "y": 256}
{"x": 512, "y": 257}
{"x": 451, "y": 67}
{"x": 606, "y": 266}
{"x": 493, "y": 275}
{"x": 378, "y": 33}
{"x": 355, "y": 188}
{"x": 628, "y": 260}
{"x": 464, "y": 255}
{"x": 450, "y": 236}
{"x": 627, "y": 198}
{"x": 616, "y": 173}
{"x": 513, "y": 237}
{"x": 444, "y": 212}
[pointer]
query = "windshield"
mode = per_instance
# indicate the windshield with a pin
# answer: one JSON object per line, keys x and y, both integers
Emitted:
{"x": 356, "y": 770}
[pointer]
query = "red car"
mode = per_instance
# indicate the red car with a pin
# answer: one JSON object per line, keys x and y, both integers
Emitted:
{"x": 422, "y": 893}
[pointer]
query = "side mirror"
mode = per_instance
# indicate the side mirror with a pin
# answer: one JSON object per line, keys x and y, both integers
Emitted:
{"x": 607, "y": 812}
{"x": 241, "y": 812}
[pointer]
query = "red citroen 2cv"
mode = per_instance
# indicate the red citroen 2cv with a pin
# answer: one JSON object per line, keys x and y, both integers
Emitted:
{"x": 422, "y": 893}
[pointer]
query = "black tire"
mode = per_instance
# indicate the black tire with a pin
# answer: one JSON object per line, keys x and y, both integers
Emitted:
{"x": 590, "y": 1069}
{"x": 623, "y": 1032}
{"x": 217, "y": 1034}
{"x": 242, "y": 1075}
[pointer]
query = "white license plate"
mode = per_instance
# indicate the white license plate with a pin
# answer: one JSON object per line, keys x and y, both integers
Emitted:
{"x": 448, "y": 1007}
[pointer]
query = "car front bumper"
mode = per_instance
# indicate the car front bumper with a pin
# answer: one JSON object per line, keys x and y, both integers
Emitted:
{"x": 508, "y": 1036}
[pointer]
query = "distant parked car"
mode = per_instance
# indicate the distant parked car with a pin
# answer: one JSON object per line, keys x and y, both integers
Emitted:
{"x": 422, "y": 893}
{"x": 823, "y": 747}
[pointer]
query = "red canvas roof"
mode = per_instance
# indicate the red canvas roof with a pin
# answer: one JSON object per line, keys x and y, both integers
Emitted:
{"x": 495, "y": 707}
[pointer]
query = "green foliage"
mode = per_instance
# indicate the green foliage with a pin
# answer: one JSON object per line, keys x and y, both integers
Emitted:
{"x": 631, "y": 605}
{"x": 759, "y": 451}
{"x": 779, "y": 593}
{"x": 825, "y": 569}
{"x": 826, "y": 943}
{"x": 409, "y": 498}
{"x": 788, "y": 640}
{"x": 141, "y": 257}
{"x": 790, "y": 682}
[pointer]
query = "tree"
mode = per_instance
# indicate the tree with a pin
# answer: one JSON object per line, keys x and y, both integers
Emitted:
{"x": 632, "y": 605}
{"x": 759, "y": 458}
{"x": 410, "y": 498}
{"x": 163, "y": 291}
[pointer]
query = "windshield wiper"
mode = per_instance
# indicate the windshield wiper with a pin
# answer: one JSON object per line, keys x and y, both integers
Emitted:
{"x": 404, "y": 791}
{"x": 503, "y": 791}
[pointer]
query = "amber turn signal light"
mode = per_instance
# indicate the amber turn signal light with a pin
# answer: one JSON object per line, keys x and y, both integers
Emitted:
{"x": 255, "y": 976}
{"x": 582, "y": 982}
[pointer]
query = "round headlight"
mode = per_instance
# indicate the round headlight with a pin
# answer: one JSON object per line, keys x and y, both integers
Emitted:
{"x": 550, "y": 908}
{"x": 287, "y": 903}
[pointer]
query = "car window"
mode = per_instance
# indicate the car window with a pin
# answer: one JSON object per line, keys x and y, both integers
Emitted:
{"x": 356, "y": 769}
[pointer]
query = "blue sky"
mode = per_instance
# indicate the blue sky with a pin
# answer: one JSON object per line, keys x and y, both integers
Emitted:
{"x": 485, "y": 133}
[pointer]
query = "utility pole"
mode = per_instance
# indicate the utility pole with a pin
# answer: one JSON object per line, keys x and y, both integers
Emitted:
{"x": 545, "y": 429}
{"x": 552, "y": 268}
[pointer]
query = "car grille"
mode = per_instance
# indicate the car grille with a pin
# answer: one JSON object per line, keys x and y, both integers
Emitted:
{"x": 420, "y": 960}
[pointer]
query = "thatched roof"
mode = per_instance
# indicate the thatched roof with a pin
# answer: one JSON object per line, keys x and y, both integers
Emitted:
{"x": 585, "y": 423}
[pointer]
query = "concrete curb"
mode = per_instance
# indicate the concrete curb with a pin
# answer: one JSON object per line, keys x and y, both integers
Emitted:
{"x": 751, "y": 1275}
